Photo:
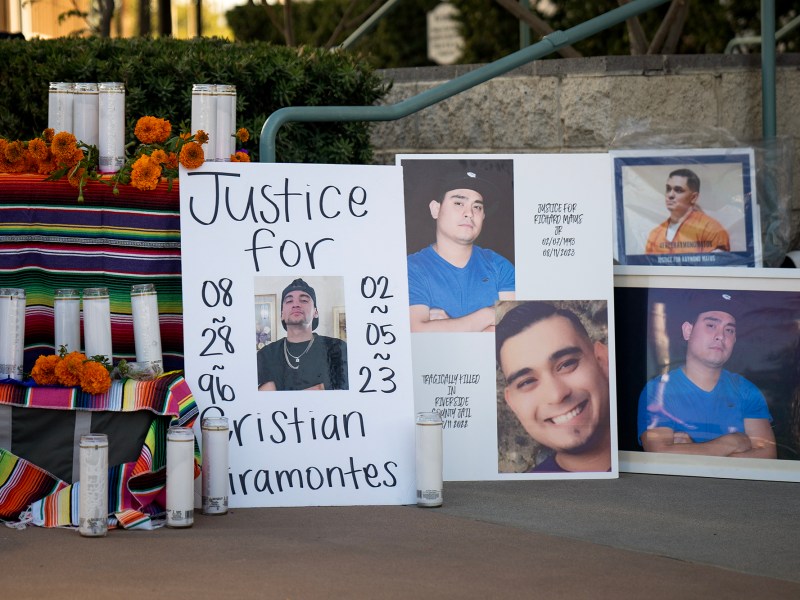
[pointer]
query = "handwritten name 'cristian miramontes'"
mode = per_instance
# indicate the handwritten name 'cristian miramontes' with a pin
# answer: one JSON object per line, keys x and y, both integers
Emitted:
{"x": 281, "y": 427}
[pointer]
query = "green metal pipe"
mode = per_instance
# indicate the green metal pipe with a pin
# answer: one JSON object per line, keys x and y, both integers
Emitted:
{"x": 547, "y": 45}
{"x": 524, "y": 28}
{"x": 370, "y": 23}
{"x": 768, "y": 81}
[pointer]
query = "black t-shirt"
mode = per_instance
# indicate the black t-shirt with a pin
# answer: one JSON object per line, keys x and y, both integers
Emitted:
{"x": 325, "y": 362}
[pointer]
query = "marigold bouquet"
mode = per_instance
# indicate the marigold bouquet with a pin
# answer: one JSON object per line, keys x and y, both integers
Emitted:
{"x": 156, "y": 155}
{"x": 73, "y": 370}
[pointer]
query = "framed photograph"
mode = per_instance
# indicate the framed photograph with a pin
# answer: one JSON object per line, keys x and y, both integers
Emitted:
{"x": 339, "y": 323}
{"x": 266, "y": 319}
{"x": 708, "y": 371}
{"x": 686, "y": 208}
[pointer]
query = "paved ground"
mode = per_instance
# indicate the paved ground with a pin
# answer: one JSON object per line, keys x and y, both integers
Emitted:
{"x": 639, "y": 536}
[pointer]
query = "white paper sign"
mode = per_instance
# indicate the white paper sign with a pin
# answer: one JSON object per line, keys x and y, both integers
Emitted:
{"x": 248, "y": 231}
{"x": 551, "y": 217}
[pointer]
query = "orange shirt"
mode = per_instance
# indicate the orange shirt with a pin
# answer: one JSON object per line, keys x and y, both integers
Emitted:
{"x": 698, "y": 233}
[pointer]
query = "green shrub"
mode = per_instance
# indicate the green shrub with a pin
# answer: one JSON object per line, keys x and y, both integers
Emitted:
{"x": 158, "y": 76}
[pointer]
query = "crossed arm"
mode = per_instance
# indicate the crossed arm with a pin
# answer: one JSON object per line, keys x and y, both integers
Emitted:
{"x": 426, "y": 319}
{"x": 757, "y": 441}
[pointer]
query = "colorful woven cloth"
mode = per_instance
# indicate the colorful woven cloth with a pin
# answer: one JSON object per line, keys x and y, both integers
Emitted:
{"x": 48, "y": 240}
{"x": 136, "y": 488}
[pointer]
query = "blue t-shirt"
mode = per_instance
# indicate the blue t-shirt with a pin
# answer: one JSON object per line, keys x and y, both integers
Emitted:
{"x": 679, "y": 404}
{"x": 459, "y": 291}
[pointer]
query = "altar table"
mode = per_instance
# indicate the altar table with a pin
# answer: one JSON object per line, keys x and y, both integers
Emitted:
{"x": 39, "y": 432}
{"x": 49, "y": 240}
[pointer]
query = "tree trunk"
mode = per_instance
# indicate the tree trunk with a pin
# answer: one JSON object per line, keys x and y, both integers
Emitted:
{"x": 164, "y": 18}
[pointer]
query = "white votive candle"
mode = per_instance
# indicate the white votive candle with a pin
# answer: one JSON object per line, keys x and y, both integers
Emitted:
{"x": 429, "y": 459}
{"x": 204, "y": 115}
{"x": 93, "y": 485}
{"x": 67, "y": 319}
{"x": 97, "y": 322}
{"x": 12, "y": 332}
{"x": 111, "y": 126}
{"x": 59, "y": 106}
{"x": 215, "y": 465}
{"x": 85, "y": 113}
{"x": 146, "y": 331}
{"x": 226, "y": 122}
{"x": 180, "y": 477}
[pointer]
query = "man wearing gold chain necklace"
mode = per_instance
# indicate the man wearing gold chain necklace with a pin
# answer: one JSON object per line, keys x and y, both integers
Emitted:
{"x": 303, "y": 360}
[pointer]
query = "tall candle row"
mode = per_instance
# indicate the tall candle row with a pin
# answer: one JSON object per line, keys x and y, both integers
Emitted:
{"x": 214, "y": 111}
{"x": 67, "y": 320}
{"x": 95, "y": 114}
{"x": 97, "y": 322}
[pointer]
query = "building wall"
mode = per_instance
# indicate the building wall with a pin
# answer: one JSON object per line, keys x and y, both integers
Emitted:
{"x": 597, "y": 104}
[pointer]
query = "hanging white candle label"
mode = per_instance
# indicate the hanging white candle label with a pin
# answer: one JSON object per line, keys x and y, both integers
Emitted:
{"x": 97, "y": 322}
{"x": 12, "y": 332}
{"x": 146, "y": 332}
{"x": 429, "y": 459}
{"x": 180, "y": 477}
{"x": 215, "y": 465}
{"x": 93, "y": 485}
{"x": 67, "y": 319}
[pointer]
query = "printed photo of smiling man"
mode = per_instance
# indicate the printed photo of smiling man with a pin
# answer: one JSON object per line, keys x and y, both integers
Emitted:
{"x": 553, "y": 387}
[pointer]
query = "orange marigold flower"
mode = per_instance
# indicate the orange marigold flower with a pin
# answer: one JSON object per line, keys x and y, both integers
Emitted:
{"x": 69, "y": 369}
{"x": 240, "y": 157}
{"x": 172, "y": 161}
{"x": 44, "y": 369}
{"x": 73, "y": 159}
{"x": 185, "y": 136}
{"x": 94, "y": 378}
{"x": 201, "y": 137}
{"x": 159, "y": 156}
{"x": 75, "y": 176}
{"x": 48, "y": 134}
{"x": 38, "y": 149}
{"x": 64, "y": 145}
{"x": 152, "y": 130}
{"x": 14, "y": 151}
{"x": 46, "y": 167}
{"x": 242, "y": 135}
{"x": 192, "y": 155}
{"x": 146, "y": 173}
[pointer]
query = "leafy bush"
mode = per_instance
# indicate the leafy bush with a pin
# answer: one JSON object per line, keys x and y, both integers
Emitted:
{"x": 158, "y": 76}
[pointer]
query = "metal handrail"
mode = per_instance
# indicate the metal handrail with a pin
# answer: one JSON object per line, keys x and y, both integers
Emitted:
{"x": 391, "y": 112}
{"x": 755, "y": 40}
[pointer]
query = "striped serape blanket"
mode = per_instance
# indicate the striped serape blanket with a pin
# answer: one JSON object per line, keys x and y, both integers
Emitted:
{"x": 31, "y": 493}
{"x": 48, "y": 240}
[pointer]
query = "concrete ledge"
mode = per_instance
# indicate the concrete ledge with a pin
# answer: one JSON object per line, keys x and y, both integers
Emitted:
{"x": 584, "y": 104}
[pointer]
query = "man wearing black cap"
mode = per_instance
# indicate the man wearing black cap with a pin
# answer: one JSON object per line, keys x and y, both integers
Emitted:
{"x": 453, "y": 284}
{"x": 303, "y": 360}
{"x": 702, "y": 408}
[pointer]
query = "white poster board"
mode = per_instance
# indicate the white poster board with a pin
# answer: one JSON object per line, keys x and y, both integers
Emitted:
{"x": 248, "y": 231}
{"x": 553, "y": 223}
